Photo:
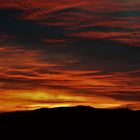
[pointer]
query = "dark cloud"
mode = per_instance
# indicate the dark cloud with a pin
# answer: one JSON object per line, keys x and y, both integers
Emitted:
{"x": 125, "y": 95}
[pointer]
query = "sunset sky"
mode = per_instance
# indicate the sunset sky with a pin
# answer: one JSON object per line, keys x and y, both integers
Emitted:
{"x": 69, "y": 52}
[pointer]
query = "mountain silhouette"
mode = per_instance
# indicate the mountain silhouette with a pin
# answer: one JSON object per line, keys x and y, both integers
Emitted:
{"x": 69, "y": 123}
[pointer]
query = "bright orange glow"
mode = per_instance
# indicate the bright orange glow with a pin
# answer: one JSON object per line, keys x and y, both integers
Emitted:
{"x": 28, "y": 100}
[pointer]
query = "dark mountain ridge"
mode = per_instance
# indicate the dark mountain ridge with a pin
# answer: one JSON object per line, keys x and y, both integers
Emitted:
{"x": 69, "y": 123}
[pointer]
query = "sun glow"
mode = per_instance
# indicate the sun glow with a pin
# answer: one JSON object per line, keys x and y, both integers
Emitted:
{"x": 28, "y": 100}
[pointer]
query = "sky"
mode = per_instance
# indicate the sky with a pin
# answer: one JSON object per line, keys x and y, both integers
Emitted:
{"x": 69, "y": 52}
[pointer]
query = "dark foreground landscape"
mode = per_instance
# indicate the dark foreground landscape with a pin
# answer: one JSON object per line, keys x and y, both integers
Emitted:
{"x": 70, "y": 123}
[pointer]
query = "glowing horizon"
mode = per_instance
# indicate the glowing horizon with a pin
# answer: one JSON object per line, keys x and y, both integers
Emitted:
{"x": 40, "y": 99}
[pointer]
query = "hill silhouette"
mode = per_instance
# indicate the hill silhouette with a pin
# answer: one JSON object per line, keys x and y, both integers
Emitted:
{"x": 69, "y": 123}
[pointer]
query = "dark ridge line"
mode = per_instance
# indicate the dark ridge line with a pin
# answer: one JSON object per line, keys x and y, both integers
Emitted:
{"x": 79, "y": 107}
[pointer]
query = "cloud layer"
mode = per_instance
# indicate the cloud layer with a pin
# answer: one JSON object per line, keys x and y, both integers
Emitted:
{"x": 61, "y": 53}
